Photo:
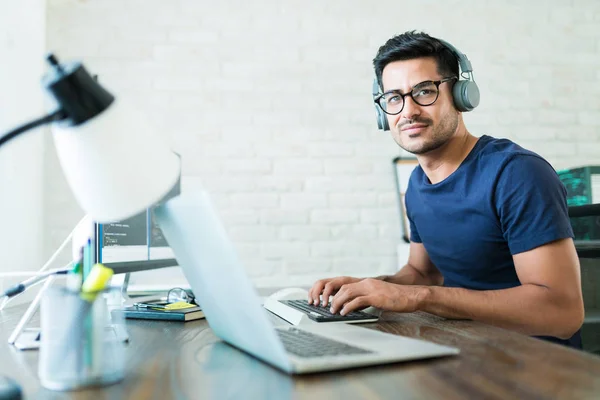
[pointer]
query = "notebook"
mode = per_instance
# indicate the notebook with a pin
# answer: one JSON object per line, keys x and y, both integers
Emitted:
{"x": 185, "y": 314}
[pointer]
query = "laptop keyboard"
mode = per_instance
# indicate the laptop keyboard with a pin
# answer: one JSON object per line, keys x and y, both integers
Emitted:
{"x": 306, "y": 344}
{"x": 322, "y": 314}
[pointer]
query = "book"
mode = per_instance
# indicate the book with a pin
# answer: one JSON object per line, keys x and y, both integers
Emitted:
{"x": 183, "y": 314}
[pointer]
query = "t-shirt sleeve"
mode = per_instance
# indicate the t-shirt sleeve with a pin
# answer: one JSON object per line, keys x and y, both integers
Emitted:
{"x": 531, "y": 203}
{"x": 414, "y": 234}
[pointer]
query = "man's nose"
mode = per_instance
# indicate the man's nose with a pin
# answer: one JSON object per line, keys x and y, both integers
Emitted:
{"x": 411, "y": 109}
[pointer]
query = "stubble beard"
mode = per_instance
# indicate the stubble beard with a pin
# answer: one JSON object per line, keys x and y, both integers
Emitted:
{"x": 439, "y": 136}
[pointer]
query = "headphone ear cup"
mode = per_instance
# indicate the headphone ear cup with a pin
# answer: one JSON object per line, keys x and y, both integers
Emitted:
{"x": 466, "y": 95}
{"x": 382, "y": 122}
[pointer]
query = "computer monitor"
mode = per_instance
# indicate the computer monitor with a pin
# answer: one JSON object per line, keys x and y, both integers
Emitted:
{"x": 134, "y": 244}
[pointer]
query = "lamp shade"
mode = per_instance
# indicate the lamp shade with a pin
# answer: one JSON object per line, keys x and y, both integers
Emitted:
{"x": 116, "y": 164}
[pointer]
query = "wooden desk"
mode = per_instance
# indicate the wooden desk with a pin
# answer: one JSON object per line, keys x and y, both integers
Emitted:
{"x": 185, "y": 360}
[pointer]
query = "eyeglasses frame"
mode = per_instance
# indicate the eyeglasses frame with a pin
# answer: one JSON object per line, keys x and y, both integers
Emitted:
{"x": 189, "y": 297}
{"x": 437, "y": 84}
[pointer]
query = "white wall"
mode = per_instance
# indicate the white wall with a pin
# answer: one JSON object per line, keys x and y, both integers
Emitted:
{"x": 269, "y": 104}
{"x": 22, "y": 46}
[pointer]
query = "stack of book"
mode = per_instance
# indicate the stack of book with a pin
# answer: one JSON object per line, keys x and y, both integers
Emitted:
{"x": 181, "y": 314}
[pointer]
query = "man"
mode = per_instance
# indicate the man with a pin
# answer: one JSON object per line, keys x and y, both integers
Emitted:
{"x": 490, "y": 235}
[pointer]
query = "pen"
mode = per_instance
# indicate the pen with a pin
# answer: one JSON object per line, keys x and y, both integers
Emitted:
{"x": 87, "y": 259}
{"x": 86, "y": 267}
{"x": 165, "y": 306}
{"x": 21, "y": 287}
{"x": 150, "y": 305}
{"x": 75, "y": 278}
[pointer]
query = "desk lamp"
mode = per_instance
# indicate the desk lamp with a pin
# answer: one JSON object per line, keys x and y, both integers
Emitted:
{"x": 115, "y": 163}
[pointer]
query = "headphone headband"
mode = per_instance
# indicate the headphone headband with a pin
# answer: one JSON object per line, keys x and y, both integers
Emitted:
{"x": 463, "y": 61}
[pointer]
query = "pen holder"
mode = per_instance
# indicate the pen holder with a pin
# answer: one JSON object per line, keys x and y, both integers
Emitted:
{"x": 80, "y": 346}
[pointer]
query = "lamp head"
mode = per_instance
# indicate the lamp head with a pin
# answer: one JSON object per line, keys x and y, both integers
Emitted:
{"x": 115, "y": 162}
{"x": 76, "y": 92}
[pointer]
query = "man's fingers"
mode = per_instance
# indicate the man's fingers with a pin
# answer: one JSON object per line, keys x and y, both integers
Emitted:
{"x": 343, "y": 296}
{"x": 315, "y": 292}
{"x": 331, "y": 288}
{"x": 357, "y": 304}
{"x": 325, "y": 288}
{"x": 349, "y": 298}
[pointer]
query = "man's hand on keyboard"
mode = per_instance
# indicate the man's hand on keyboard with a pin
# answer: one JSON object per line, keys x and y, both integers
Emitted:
{"x": 375, "y": 293}
{"x": 328, "y": 287}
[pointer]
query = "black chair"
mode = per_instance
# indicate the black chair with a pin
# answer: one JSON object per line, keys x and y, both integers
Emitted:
{"x": 586, "y": 248}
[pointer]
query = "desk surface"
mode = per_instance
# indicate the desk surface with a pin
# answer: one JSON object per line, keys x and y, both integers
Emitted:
{"x": 185, "y": 360}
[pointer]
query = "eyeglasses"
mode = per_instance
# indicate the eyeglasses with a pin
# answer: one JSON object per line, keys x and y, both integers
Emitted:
{"x": 178, "y": 294}
{"x": 175, "y": 295}
{"x": 424, "y": 94}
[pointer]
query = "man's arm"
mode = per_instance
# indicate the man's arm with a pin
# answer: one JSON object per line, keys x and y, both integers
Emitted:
{"x": 548, "y": 302}
{"x": 419, "y": 269}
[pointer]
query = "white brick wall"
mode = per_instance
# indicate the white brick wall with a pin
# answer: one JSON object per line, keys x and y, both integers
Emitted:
{"x": 269, "y": 104}
{"x": 22, "y": 41}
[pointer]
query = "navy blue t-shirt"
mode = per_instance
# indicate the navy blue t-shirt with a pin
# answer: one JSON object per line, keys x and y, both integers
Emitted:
{"x": 502, "y": 200}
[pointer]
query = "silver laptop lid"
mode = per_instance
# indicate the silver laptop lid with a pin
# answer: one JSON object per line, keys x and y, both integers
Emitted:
{"x": 211, "y": 266}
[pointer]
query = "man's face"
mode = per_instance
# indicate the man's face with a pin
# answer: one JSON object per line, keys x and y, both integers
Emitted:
{"x": 420, "y": 129}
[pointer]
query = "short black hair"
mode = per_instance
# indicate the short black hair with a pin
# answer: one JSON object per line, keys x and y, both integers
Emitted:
{"x": 413, "y": 44}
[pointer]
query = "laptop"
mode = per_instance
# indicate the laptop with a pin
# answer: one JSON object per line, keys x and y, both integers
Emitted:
{"x": 234, "y": 312}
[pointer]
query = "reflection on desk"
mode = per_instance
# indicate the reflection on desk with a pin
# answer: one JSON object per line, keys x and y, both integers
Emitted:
{"x": 167, "y": 360}
{"x": 221, "y": 364}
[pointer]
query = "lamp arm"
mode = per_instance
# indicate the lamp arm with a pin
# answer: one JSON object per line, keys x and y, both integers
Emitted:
{"x": 55, "y": 116}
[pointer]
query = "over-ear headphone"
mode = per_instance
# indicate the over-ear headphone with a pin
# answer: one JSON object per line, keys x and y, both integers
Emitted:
{"x": 465, "y": 93}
